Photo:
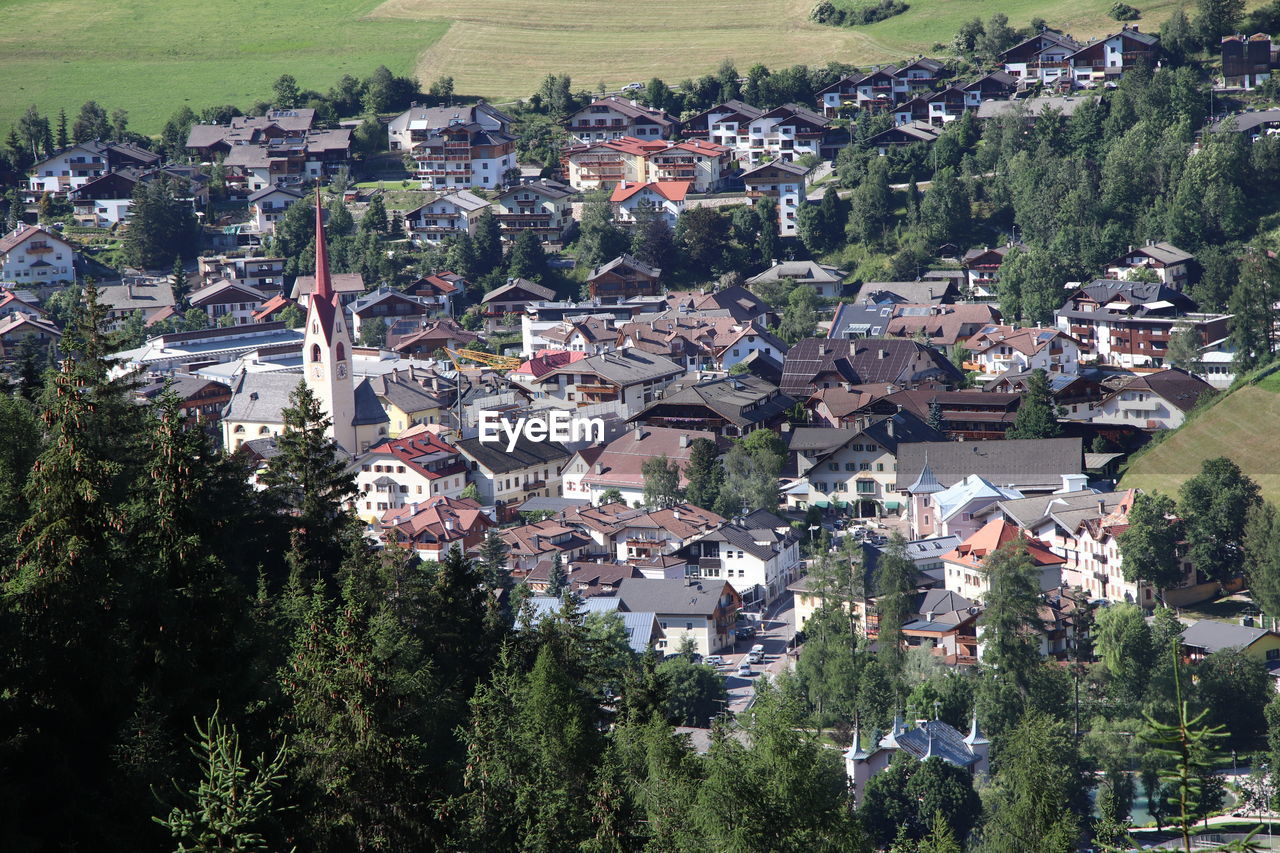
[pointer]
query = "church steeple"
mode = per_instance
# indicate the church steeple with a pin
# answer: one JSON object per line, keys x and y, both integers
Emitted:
{"x": 324, "y": 287}
{"x": 326, "y": 348}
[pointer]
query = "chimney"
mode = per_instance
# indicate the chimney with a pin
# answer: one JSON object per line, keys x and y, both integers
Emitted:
{"x": 1102, "y": 506}
{"x": 882, "y": 354}
{"x": 448, "y": 522}
{"x": 599, "y": 468}
{"x": 684, "y": 440}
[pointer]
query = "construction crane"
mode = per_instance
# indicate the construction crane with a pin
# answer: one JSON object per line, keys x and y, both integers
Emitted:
{"x": 488, "y": 359}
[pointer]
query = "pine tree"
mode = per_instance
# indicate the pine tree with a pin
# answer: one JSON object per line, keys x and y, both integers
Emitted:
{"x": 895, "y": 582}
{"x": 704, "y": 472}
{"x": 1009, "y": 620}
{"x": 63, "y": 140}
{"x": 1253, "y": 316}
{"x": 375, "y": 216}
{"x": 1036, "y": 416}
{"x": 229, "y": 807}
{"x": 556, "y": 580}
{"x": 527, "y": 258}
{"x": 487, "y": 242}
{"x": 69, "y": 594}
{"x": 309, "y": 479}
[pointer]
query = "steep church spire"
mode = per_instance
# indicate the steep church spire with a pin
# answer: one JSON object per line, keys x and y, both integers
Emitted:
{"x": 324, "y": 287}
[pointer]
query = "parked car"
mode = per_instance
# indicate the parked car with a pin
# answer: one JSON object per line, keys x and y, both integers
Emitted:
{"x": 745, "y": 633}
{"x": 713, "y": 660}
{"x": 744, "y": 671}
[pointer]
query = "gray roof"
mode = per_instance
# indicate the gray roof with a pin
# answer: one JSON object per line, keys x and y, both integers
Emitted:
{"x": 368, "y": 409}
{"x": 1021, "y": 463}
{"x": 807, "y": 272}
{"x": 145, "y": 295}
{"x": 666, "y": 597}
{"x": 494, "y": 456}
{"x": 1213, "y": 636}
{"x": 625, "y": 259}
{"x": 624, "y": 367}
{"x": 1035, "y": 106}
{"x": 938, "y": 740}
{"x": 926, "y": 483}
{"x": 741, "y": 399}
{"x": 384, "y": 293}
{"x": 261, "y": 397}
{"x": 1248, "y": 122}
{"x": 1026, "y": 512}
{"x": 540, "y": 504}
{"x": 927, "y": 292}
{"x": 821, "y": 439}
{"x": 517, "y": 284}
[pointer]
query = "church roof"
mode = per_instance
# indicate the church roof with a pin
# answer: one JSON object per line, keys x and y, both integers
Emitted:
{"x": 926, "y": 483}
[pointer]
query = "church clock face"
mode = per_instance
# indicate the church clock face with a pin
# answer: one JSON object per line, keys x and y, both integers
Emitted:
{"x": 342, "y": 371}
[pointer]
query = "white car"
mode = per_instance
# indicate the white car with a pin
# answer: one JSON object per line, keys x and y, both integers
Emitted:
{"x": 713, "y": 660}
{"x": 757, "y": 649}
{"x": 744, "y": 670}
{"x": 633, "y": 87}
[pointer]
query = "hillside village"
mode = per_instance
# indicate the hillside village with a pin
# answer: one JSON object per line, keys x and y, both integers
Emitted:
{"x": 870, "y": 351}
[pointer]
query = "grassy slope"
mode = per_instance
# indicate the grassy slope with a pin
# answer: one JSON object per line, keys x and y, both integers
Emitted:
{"x": 152, "y": 56}
{"x": 1241, "y": 426}
{"x": 616, "y": 43}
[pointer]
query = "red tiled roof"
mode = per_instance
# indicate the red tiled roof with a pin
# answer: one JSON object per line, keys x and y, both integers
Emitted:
{"x": 991, "y": 537}
{"x": 548, "y": 360}
{"x": 670, "y": 190}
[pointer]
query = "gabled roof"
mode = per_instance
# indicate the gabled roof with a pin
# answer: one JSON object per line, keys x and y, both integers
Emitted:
{"x": 547, "y": 360}
{"x": 628, "y": 261}
{"x": 620, "y": 462}
{"x": 861, "y": 361}
{"x": 670, "y": 190}
{"x": 994, "y": 535}
{"x": 1022, "y": 463}
{"x": 549, "y": 189}
{"x": 806, "y": 272}
{"x": 1175, "y": 386}
{"x": 1164, "y": 252}
{"x": 494, "y": 456}
{"x": 673, "y": 597}
{"x": 274, "y": 189}
{"x": 243, "y": 292}
{"x": 25, "y": 232}
{"x": 516, "y": 286}
{"x": 741, "y": 400}
{"x": 781, "y": 165}
{"x": 1212, "y": 636}
{"x": 623, "y": 367}
{"x": 972, "y": 488}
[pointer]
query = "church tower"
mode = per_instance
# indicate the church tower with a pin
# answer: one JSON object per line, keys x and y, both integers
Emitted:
{"x": 326, "y": 349}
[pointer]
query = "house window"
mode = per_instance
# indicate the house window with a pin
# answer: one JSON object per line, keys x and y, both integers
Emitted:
{"x": 833, "y": 466}
{"x": 850, "y": 466}
{"x": 866, "y": 487}
{"x": 315, "y": 352}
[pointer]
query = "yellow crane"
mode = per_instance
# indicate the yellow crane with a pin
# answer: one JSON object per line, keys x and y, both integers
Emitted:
{"x": 488, "y": 359}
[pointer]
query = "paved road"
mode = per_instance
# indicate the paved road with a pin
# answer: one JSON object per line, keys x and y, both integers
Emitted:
{"x": 776, "y": 628}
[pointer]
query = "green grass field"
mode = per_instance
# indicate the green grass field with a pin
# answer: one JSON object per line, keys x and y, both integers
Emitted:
{"x": 1242, "y": 426}
{"x": 152, "y": 56}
